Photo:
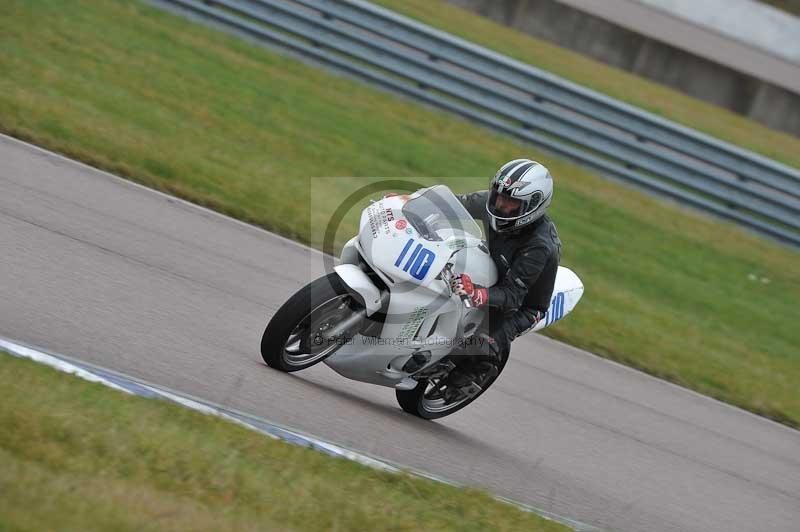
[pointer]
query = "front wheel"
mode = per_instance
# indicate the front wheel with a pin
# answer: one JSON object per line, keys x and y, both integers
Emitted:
{"x": 443, "y": 395}
{"x": 311, "y": 325}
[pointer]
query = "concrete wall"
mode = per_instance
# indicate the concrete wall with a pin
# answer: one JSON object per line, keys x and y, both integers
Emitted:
{"x": 742, "y": 92}
{"x": 752, "y": 22}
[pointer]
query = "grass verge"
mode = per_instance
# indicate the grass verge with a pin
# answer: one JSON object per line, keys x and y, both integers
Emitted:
{"x": 213, "y": 119}
{"x": 790, "y": 6}
{"x": 80, "y": 456}
{"x": 615, "y": 82}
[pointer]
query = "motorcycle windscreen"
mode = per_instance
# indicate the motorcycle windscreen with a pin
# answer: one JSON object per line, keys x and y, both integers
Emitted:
{"x": 436, "y": 214}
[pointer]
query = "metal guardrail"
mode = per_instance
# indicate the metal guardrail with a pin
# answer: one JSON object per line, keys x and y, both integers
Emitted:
{"x": 396, "y": 53}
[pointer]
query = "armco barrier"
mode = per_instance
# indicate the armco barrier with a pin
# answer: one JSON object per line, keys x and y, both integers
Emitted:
{"x": 396, "y": 53}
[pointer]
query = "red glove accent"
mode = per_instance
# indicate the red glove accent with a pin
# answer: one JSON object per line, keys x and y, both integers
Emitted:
{"x": 463, "y": 285}
{"x": 479, "y": 296}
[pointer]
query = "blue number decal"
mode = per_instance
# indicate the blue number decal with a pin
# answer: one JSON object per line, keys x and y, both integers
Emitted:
{"x": 412, "y": 258}
{"x": 422, "y": 264}
{"x": 403, "y": 253}
{"x": 418, "y": 263}
{"x": 556, "y": 311}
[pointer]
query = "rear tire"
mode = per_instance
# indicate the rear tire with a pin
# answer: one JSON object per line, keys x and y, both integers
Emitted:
{"x": 301, "y": 319}
{"x": 419, "y": 403}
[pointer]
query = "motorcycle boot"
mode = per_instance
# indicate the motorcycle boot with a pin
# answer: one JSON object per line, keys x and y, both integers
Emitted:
{"x": 477, "y": 363}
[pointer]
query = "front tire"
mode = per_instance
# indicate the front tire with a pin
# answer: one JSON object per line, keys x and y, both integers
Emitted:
{"x": 295, "y": 337}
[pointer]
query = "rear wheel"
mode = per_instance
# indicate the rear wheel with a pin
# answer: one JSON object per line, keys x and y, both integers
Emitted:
{"x": 443, "y": 395}
{"x": 311, "y": 325}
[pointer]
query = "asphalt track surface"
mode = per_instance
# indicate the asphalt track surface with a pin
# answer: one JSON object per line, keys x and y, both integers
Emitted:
{"x": 108, "y": 272}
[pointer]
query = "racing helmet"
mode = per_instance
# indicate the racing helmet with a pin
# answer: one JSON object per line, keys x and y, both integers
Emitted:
{"x": 520, "y": 194}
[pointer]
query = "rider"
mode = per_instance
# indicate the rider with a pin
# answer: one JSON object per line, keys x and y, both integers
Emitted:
{"x": 525, "y": 247}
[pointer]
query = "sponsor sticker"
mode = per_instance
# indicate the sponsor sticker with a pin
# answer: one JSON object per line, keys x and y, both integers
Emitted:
{"x": 411, "y": 327}
{"x": 458, "y": 243}
{"x": 524, "y": 219}
{"x": 379, "y": 218}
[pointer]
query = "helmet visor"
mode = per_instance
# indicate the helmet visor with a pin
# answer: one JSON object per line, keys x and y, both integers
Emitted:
{"x": 504, "y": 206}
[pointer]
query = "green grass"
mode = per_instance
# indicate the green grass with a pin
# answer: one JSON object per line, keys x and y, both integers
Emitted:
{"x": 80, "y": 456}
{"x": 654, "y": 97}
{"x": 188, "y": 110}
{"x": 790, "y": 6}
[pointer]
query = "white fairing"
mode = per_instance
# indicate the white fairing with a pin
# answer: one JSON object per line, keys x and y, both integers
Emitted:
{"x": 423, "y": 316}
{"x": 356, "y": 279}
{"x": 391, "y": 243}
{"x": 567, "y": 292}
{"x": 477, "y": 262}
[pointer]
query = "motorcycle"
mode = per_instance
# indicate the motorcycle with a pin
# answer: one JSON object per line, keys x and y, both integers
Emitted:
{"x": 387, "y": 315}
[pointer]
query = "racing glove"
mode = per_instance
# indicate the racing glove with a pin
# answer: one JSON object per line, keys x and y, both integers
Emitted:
{"x": 462, "y": 286}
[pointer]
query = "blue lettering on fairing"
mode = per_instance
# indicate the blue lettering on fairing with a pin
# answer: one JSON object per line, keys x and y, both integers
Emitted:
{"x": 556, "y": 311}
{"x": 419, "y": 263}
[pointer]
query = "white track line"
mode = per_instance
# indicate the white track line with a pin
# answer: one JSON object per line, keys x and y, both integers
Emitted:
{"x": 61, "y": 363}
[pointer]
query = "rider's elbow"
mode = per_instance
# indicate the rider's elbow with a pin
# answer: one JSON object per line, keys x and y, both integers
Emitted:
{"x": 510, "y": 301}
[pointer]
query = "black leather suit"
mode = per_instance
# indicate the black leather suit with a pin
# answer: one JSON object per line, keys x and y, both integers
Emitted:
{"x": 527, "y": 261}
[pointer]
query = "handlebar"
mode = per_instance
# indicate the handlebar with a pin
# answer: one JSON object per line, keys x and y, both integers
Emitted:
{"x": 447, "y": 277}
